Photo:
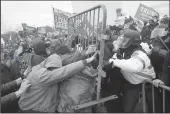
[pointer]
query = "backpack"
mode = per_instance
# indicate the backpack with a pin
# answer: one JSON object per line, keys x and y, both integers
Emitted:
{"x": 25, "y": 65}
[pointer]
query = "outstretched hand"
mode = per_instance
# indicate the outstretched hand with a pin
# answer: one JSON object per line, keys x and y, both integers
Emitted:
{"x": 92, "y": 58}
{"x": 23, "y": 88}
{"x": 91, "y": 49}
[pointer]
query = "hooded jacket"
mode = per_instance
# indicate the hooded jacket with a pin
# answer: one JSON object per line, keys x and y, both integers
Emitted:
{"x": 43, "y": 94}
{"x": 8, "y": 87}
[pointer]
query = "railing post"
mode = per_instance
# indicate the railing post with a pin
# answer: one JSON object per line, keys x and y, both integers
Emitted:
{"x": 144, "y": 97}
{"x": 163, "y": 100}
{"x": 153, "y": 98}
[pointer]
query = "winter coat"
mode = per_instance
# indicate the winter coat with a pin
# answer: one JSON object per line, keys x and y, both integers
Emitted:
{"x": 77, "y": 89}
{"x": 6, "y": 75}
{"x": 21, "y": 63}
{"x": 165, "y": 74}
{"x": 8, "y": 97}
{"x": 43, "y": 94}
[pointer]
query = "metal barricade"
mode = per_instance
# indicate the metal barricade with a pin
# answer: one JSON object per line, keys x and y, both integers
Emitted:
{"x": 84, "y": 29}
{"x": 163, "y": 87}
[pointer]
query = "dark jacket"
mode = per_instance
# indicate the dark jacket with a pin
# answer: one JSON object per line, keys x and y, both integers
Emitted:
{"x": 5, "y": 74}
{"x": 166, "y": 74}
{"x": 45, "y": 82}
{"x": 8, "y": 97}
{"x": 8, "y": 88}
{"x": 108, "y": 53}
{"x": 24, "y": 60}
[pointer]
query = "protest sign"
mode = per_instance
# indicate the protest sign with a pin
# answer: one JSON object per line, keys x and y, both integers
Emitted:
{"x": 145, "y": 13}
{"x": 60, "y": 19}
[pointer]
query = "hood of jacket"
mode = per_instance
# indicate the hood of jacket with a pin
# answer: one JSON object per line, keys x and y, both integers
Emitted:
{"x": 53, "y": 61}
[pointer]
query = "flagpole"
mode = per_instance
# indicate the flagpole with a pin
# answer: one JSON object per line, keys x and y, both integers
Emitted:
{"x": 23, "y": 33}
{"x": 53, "y": 17}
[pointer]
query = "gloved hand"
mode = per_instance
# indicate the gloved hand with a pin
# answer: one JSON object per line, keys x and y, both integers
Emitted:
{"x": 91, "y": 49}
{"x": 157, "y": 82}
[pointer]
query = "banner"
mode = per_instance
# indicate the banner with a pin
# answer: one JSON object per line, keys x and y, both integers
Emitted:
{"x": 28, "y": 28}
{"x": 60, "y": 18}
{"x": 145, "y": 13}
{"x": 41, "y": 30}
{"x": 2, "y": 41}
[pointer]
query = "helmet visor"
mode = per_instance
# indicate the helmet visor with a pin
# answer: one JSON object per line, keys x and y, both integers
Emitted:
{"x": 122, "y": 42}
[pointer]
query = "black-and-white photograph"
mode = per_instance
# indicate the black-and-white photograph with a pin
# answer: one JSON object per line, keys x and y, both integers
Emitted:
{"x": 85, "y": 57}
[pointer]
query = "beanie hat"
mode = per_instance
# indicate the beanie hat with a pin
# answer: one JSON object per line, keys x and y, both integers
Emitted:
{"x": 39, "y": 47}
{"x": 63, "y": 49}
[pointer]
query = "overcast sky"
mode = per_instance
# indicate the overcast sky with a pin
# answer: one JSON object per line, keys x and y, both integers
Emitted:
{"x": 34, "y": 13}
{"x": 39, "y": 13}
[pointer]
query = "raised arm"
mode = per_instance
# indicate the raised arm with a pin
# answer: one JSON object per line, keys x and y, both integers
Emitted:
{"x": 10, "y": 86}
{"x": 60, "y": 74}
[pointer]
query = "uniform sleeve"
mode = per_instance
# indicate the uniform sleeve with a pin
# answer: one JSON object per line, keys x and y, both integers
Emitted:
{"x": 58, "y": 75}
{"x": 165, "y": 75}
{"x": 136, "y": 63}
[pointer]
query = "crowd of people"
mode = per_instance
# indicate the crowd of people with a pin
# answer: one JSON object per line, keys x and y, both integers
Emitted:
{"x": 47, "y": 75}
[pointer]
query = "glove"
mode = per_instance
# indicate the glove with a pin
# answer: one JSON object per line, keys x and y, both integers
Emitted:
{"x": 157, "y": 82}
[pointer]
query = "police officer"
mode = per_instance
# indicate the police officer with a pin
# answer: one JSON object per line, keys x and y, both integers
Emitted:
{"x": 134, "y": 65}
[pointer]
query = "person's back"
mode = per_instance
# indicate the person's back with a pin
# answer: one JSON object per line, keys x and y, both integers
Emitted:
{"x": 78, "y": 89}
{"x": 44, "y": 79}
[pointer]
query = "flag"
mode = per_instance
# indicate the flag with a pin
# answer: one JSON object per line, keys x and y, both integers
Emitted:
{"x": 10, "y": 38}
{"x": 28, "y": 28}
{"x": 19, "y": 37}
{"x": 145, "y": 13}
{"x": 2, "y": 41}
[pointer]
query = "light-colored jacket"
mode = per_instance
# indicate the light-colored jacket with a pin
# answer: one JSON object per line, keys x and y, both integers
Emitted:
{"x": 76, "y": 90}
{"x": 43, "y": 94}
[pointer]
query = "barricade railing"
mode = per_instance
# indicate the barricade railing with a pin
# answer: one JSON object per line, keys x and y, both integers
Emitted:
{"x": 163, "y": 87}
{"x": 85, "y": 29}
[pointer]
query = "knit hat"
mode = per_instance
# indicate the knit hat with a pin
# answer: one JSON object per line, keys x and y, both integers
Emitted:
{"x": 63, "y": 49}
{"x": 39, "y": 47}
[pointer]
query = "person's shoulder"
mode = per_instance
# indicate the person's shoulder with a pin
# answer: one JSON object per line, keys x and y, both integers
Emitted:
{"x": 140, "y": 54}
